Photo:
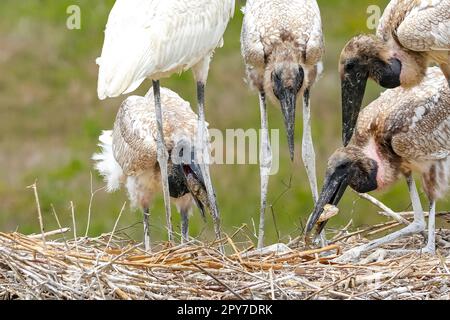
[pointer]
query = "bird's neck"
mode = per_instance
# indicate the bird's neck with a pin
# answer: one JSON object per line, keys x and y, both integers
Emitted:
{"x": 386, "y": 175}
{"x": 414, "y": 64}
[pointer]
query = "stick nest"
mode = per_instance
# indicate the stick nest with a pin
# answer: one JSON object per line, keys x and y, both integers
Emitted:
{"x": 109, "y": 267}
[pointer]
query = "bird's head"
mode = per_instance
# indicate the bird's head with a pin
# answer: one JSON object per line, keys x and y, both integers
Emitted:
{"x": 363, "y": 57}
{"x": 348, "y": 166}
{"x": 185, "y": 176}
{"x": 285, "y": 80}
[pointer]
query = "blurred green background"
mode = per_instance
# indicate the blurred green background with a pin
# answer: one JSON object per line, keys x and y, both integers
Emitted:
{"x": 50, "y": 119}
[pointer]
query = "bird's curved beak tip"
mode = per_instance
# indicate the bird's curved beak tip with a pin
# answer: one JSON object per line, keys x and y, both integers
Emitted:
{"x": 332, "y": 192}
{"x": 291, "y": 152}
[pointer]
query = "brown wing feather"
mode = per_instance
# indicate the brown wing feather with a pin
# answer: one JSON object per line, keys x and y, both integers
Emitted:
{"x": 422, "y": 121}
{"x": 426, "y": 27}
{"x": 135, "y": 131}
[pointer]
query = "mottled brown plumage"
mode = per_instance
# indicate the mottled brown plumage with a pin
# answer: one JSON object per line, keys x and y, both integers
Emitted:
{"x": 405, "y": 130}
{"x": 417, "y": 32}
{"x": 282, "y": 46}
{"x": 412, "y": 34}
{"x": 410, "y": 129}
{"x": 129, "y": 155}
{"x": 135, "y": 130}
{"x": 281, "y": 32}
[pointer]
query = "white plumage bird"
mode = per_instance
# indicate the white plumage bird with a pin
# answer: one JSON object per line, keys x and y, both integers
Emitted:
{"x": 154, "y": 39}
{"x": 129, "y": 156}
{"x": 282, "y": 45}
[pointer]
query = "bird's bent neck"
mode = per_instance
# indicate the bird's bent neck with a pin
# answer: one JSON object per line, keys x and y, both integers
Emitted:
{"x": 414, "y": 64}
{"x": 385, "y": 174}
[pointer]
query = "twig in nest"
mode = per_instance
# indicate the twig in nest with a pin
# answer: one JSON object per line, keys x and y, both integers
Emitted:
{"x": 115, "y": 225}
{"x": 237, "y": 295}
{"x": 272, "y": 288}
{"x": 331, "y": 285}
{"x": 93, "y": 193}
{"x": 60, "y": 226}
{"x": 50, "y": 233}
{"x": 383, "y": 207}
{"x": 366, "y": 230}
{"x": 275, "y": 223}
{"x": 390, "y": 279}
{"x": 410, "y": 214}
{"x": 122, "y": 295}
{"x": 72, "y": 210}
{"x": 288, "y": 187}
{"x": 38, "y": 205}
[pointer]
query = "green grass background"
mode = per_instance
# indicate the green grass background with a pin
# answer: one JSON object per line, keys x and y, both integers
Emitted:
{"x": 50, "y": 119}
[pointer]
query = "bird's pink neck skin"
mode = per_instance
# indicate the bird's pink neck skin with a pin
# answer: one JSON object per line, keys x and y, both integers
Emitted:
{"x": 371, "y": 151}
{"x": 414, "y": 65}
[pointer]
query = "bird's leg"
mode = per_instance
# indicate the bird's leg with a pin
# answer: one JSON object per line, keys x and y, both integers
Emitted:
{"x": 184, "y": 225}
{"x": 163, "y": 157}
{"x": 200, "y": 71}
{"x": 204, "y": 157}
{"x": 147, "y": 230}
{"x": 308, "y": 154}
{"x": 417, "y": 226}
{"x": 431, "y": 243}
{"x": 265, "y": 165}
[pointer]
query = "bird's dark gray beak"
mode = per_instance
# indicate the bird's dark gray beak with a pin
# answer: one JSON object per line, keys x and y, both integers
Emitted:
{"x": 288, "y": 103}
{"x": 196, "y": 185}
{"x": 332, "y": 192}
{"x": 353, "y": 88}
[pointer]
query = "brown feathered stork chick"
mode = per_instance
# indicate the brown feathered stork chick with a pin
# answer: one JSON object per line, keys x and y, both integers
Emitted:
{"x": 129, "y": 156}
{"x": 412, "y": 34}
{"x": 402, "y": 132}
{"x": 282, "y": 46}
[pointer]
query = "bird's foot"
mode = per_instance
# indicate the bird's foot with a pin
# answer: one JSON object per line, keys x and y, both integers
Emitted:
{"x": 378, "y": 256}
{"x": 350, "y": 256}
{"x": 429, "y": 249}
{"x": 381, "y": 255}
{"x": 353, "y": 255}
{"x": 320, "y": 240}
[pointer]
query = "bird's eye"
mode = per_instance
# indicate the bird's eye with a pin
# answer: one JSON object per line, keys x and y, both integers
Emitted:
{"x": 343, "y": 166}
{"x": 350, "y": 65}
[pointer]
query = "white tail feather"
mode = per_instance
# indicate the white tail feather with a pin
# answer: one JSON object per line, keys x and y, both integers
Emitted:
{"x": 106, "y": 164}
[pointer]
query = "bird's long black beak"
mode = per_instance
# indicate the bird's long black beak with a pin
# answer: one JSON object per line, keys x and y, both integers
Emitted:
{"x": 332, "y": 192}
{"x": 353, "y": 88}
{"x": 288, "y": 103}
{"x": 196, "y": 185}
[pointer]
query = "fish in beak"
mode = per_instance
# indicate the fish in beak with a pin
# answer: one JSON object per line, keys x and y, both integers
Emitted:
{"x": 334, "y": 187}
{"x": 353, "y": 87}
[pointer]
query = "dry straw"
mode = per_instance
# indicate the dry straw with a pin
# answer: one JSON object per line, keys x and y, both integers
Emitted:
{"x": 50, "y": 266}
{"x": 109, "y": 267}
